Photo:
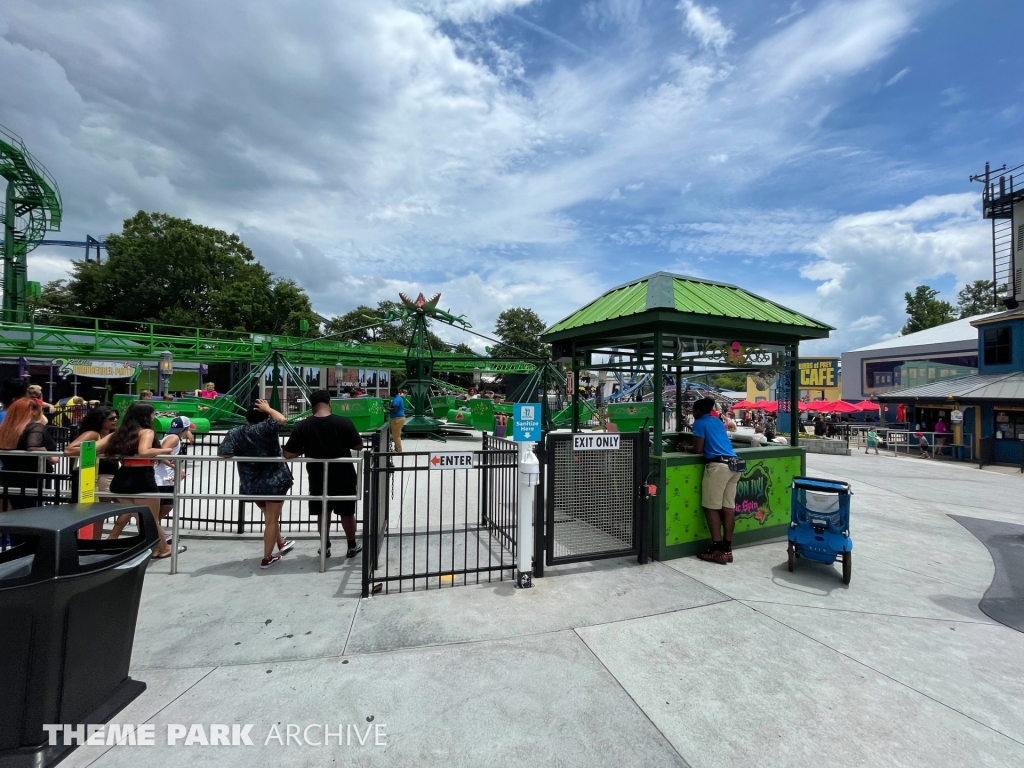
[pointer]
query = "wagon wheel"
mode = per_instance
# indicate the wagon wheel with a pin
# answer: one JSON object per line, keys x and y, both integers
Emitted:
{"x": 792, "y": 556}
{"x": 847, "y": 567}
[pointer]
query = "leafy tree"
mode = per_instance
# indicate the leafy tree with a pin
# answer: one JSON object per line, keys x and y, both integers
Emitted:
{"x": 925, "y": 310}
{"x": 976, "y": 298}
{"x": 518, "y": 330}
{"x": 736, "y": 382}
{"x": 166, "y": 270}
{"x": 352, "y": 325}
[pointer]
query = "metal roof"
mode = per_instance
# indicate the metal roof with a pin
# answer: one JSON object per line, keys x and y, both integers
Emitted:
{"x": 1003, "y": 387}
{"x": 960, "y": 330}
{"x": 690, "y": 295}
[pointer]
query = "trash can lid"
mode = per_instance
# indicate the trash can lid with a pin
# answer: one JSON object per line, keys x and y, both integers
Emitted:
{"x": 60, "y": 518}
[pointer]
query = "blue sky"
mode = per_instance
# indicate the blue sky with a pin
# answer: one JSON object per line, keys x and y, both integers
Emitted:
{"x": 518, "y": 153}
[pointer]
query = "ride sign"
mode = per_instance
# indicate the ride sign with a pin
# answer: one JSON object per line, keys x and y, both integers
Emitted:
{"x": 526, "y": 422}
{"x": 595, "y": 442}
{"x": 451, "y": 460}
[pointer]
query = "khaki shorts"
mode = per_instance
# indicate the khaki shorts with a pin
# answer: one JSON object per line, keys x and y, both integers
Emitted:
{"x": 718, "y": 490}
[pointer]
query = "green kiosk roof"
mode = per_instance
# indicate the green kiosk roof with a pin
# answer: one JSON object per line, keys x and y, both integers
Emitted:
{"x": 685, "y": 305}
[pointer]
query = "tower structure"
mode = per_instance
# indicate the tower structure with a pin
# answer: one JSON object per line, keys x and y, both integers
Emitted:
{"x": 1003, "y": 203}
{"x": 31, "y": 207}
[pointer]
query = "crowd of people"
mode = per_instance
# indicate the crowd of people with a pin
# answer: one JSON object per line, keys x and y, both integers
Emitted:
{"x": 134, "y": 465}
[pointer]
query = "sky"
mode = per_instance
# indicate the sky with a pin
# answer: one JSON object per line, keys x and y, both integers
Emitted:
{"x": 536, "y": 153}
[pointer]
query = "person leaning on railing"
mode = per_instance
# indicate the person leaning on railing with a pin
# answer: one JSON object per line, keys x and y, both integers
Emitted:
{"x": 257, "y": 439}
{"x": 135, "y": 443}
{"x": 97, "y": 424}
{"x": 24, "y": 429}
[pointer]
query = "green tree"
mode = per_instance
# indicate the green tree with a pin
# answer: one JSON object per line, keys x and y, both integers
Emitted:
{"x": 736, "y": 382}
{"x": 976, "y": 298}
{"x": 518, "y": 330}
{"x": 166, "y": 270}
{"x": 352, "y": 325}
{"x": 925, "y": 310}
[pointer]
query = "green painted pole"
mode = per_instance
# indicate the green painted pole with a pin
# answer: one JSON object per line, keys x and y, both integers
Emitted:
{"x": 10, "y": 277}
{"x": 794, "y": 392}
{"x": 659, "y": 387}
{"x": 679, "y": 399}
{"x": 575, "y": 391}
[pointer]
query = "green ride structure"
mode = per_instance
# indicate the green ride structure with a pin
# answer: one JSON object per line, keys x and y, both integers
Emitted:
{"x": 31, "y": 208}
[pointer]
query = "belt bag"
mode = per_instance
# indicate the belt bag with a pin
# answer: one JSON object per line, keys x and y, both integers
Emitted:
{"x": 736, "y": 464}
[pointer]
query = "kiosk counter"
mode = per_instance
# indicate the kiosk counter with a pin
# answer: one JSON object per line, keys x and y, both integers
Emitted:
{"x": 762, "y": 499}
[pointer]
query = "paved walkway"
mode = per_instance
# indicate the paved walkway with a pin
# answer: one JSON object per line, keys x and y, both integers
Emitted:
{"x": 609, "y": 663}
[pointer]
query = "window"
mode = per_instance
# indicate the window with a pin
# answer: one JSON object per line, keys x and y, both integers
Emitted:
{"x": 997, "y": 346}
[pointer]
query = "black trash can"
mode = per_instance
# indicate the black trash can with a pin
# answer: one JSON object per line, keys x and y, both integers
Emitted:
{"x": 68, "y": 607}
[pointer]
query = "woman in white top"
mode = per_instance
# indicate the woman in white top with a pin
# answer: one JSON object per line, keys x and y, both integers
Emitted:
{"x": 179, "y": 431}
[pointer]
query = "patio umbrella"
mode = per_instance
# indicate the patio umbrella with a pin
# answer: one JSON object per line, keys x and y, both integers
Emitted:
{"x": 866, "y": 405}
{"x": 768, "y": 406}
{"x": 841, "y": 406}
{"x": 815, "y": 405}
{"x": 743, "y": 405}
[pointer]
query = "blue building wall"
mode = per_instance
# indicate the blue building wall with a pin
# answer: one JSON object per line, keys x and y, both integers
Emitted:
{"x": 1016, "y": 363}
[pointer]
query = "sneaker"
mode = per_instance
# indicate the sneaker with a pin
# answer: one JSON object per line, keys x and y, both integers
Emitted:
{"x": 353, "y": 551}
{"x": 287, "y": 547}
{"x": 713, "y": 556}
{"x": 328, "y": 552}
{"x": 269, "y": 561}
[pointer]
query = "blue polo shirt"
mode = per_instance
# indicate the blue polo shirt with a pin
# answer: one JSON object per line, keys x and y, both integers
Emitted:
{"x": 716, "y": 440}
{"x": 398, "y": 407}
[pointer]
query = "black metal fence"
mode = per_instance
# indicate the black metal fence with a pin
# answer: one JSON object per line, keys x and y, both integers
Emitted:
{"x": 432, "y": 522}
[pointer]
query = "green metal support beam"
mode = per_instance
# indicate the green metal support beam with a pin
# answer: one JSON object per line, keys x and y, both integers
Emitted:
{"x": 57, "y": 336}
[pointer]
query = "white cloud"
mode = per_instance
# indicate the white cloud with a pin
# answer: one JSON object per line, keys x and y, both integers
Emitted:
{"x": 461, "y": 11}
{"x": 363, "y": 148}
{"x": 836, "y": 39}
{"x": 866, "y": 262}
{"x": 704, "y": 24}
{"x": 897, "y": 77}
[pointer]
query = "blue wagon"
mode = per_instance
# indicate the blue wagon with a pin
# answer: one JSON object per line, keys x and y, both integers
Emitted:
{"x": 819, "y": 524}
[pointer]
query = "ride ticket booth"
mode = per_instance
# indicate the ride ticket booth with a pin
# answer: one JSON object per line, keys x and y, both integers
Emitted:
{"x": 641, "y": 491}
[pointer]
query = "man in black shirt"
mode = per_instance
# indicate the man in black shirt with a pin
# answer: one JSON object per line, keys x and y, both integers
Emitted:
{"x": 326, "y": 436}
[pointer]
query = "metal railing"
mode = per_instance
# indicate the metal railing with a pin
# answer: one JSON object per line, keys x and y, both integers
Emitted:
{"x": 46, "y": 492}
{"x": 906, "y": 441}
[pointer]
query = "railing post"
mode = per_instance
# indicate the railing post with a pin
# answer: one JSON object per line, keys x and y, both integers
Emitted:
{"x": 369, "y": 518}
{"x": 177, "y": 514}
{"x": 484, "y": 482}
{"x": 240, "y": 517}
{"x": 325, "y": 521}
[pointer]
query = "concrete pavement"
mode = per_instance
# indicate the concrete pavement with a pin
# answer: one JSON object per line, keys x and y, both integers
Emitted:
{"x": 609, "y": 663}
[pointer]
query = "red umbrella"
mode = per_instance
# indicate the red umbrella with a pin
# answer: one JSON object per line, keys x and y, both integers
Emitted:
{"x": 841, "y": 406}
{"x": 769, "y": 406}
{"x": 815, "y": 405}
{"x": 743, "y": 405}
{"x": 866, "y": 405}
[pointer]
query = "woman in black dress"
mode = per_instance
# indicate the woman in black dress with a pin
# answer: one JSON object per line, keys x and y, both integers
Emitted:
{"x": 136, "y": 438}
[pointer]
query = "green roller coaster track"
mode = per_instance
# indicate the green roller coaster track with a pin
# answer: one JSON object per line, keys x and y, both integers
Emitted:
{"x": 52, "y": 336}
{"x": 31, "y": 208}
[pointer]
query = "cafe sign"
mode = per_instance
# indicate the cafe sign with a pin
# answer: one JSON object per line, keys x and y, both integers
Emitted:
{"x": 93, "y": 368}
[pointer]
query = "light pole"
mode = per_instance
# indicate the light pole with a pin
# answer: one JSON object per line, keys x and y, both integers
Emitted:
{"x": 166, "y": 369}
{"x": 339, "y": 371}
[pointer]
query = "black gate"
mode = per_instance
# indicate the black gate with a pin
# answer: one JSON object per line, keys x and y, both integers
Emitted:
{"x": 432, "y": 521}
{"x": 594, "y": 500}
